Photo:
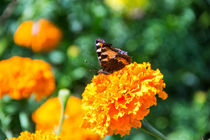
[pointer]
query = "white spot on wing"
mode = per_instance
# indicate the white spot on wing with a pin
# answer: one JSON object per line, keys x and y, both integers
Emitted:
{"x": 104, "y": 60}
{"x": 98, "y": 50}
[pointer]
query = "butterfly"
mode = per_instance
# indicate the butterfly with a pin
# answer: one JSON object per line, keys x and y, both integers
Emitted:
{"x": 110, "y": 59}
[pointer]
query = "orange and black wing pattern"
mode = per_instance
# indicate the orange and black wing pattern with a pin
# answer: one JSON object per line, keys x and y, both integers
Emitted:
{"x": 111, "y": 59}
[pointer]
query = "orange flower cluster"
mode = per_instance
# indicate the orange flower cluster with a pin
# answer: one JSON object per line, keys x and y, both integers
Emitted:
{"x": 114, "y": 103}
{"x": 38, "y": 135}
{"x": 40, "y": 36}
{"x": 71, "y": 129}
{"x": 20, "y": 77}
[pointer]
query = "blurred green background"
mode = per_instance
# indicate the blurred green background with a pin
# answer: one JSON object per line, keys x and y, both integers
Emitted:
{"x": 173, "y": 35}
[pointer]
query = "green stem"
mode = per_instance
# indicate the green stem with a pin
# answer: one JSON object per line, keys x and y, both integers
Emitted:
{"x": 147, "y": 127}
{"x": 61, "y": 120}
{"x": 63, "y": 97}
{"x": 8, "y": 11}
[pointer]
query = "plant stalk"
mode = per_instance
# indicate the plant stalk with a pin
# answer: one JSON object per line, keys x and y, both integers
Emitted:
{"x": 147, "y": 127}
{"x": 63, "y": 97}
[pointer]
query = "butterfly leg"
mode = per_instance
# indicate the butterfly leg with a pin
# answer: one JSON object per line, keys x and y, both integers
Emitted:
{"x": 104, "y": 72}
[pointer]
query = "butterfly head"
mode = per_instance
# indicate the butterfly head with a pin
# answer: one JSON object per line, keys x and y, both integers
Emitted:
{"x": 99, "y": 43}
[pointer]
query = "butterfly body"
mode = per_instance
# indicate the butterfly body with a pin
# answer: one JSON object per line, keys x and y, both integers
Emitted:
{"x": 111, "y": 59}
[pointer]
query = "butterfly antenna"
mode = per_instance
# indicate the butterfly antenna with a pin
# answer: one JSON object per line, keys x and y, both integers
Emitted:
{"x": 95, "y": 68}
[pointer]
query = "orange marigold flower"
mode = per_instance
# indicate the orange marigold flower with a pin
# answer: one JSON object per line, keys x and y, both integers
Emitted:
{"x": 38, "y": 135}
{"x": 20, "y": 77}
{"x": 71, "y": 129}
{"x": 40, "y": 36}
{"x": 114, "y": 103}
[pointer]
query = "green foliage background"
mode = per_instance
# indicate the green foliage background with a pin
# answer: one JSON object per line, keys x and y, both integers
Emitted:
{"x": 173, "y": 35}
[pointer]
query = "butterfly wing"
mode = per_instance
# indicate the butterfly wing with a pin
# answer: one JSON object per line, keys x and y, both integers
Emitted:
{"x": 115, "y": 64}
{"x": 111, "y": 59}
{"x": 99, "y": 46}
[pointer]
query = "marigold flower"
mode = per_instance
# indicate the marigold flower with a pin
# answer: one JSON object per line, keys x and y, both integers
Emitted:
{"x": 38, "y": 135}
{"x": 134, "y": 8}
{"x": 71, "y": 129}
{"x": 114, "y": 103}
{"x": 20, "y": 77}
{"x": 73, "y": 51}
{"x": 40, "y": 36}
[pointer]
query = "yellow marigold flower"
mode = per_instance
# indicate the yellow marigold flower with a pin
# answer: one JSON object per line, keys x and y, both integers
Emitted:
{"x": 40, "y": 36}
{"x": 20, "y": 77}
{"x": 73, "y": 51}
{"x": 38, "y": 135}
{"x": 128, "y": 7}
{"x": 71, "y": 129}
{"x": 114, "y": 103}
